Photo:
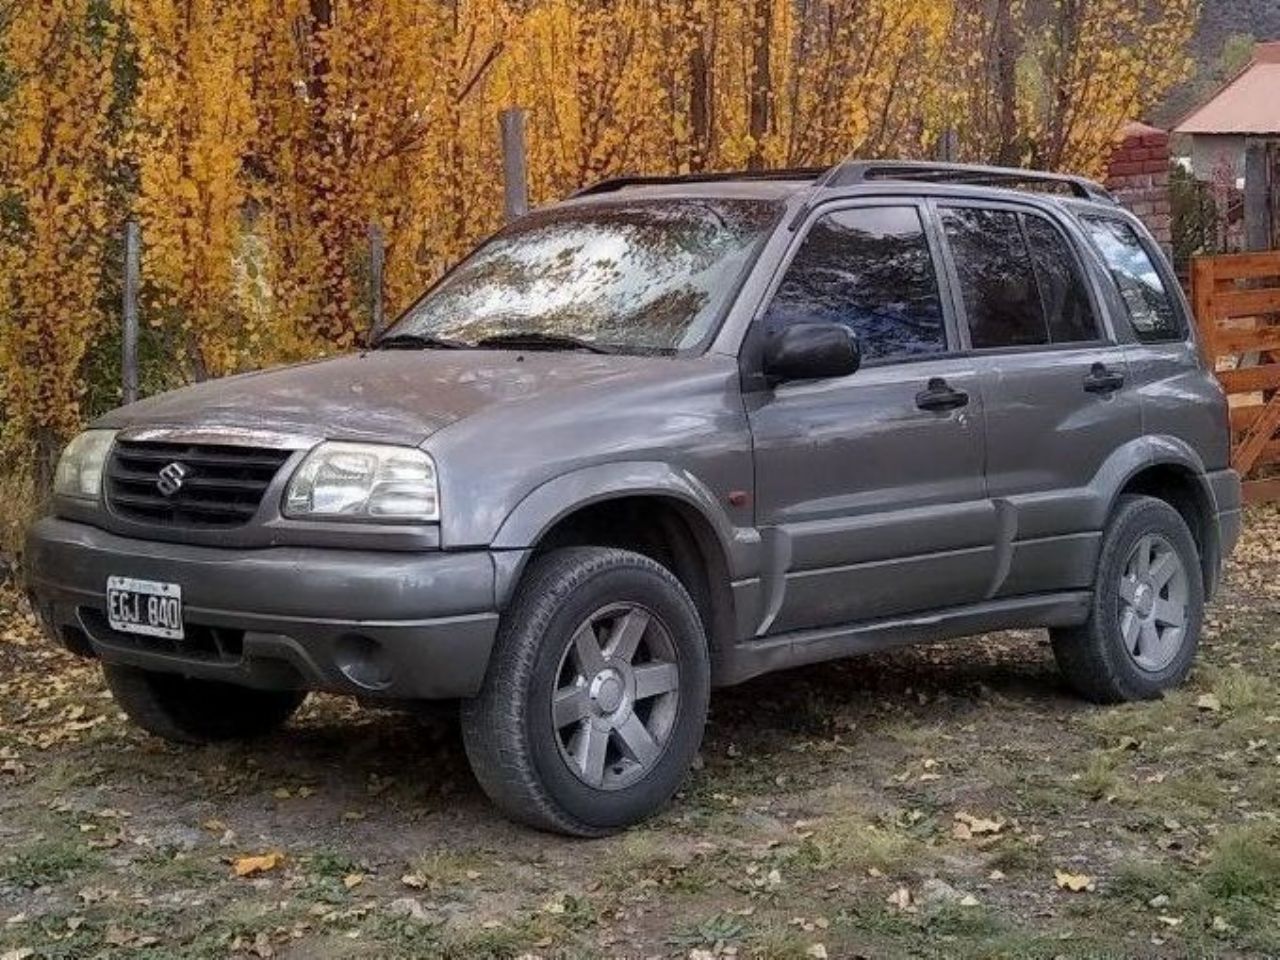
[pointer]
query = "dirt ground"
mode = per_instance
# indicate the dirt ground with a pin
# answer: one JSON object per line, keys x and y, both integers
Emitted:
{"x": 947, "y": 801}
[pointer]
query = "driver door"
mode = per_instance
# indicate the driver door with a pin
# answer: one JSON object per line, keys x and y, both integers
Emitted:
{"x": 870, "y": 492}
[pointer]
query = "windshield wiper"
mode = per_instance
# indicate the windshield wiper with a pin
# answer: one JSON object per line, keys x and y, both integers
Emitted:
{"x": 537, "y": 340}
{"x": 418, "y": 341}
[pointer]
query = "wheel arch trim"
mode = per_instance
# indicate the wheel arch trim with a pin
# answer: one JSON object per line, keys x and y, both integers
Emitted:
{"x": 556, "y": 499}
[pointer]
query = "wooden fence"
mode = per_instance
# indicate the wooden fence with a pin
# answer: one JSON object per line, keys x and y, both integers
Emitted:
{"x": 1236, "y": 298}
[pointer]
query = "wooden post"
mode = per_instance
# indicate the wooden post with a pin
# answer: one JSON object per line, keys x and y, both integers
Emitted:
{"x": 377, "y": 259}
{"x": 947, "y": 146}
{"x": 1257, "y": 207}
{"x": 515, "y": 177}
{"x": 132, "y": 273}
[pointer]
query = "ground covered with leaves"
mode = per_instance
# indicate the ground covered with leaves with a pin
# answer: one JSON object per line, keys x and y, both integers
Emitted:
{"x": 947, "y": 801}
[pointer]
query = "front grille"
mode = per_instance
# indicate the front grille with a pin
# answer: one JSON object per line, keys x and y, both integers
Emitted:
{"x": 223, "y": 485}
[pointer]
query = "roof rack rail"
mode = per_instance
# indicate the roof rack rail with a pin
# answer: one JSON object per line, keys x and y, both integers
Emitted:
{"x": 861, "y": 171}
{"x": 620, "y": 183}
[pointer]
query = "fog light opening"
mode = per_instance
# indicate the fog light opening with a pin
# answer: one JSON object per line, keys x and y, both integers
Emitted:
{"x": 363, "y": 661}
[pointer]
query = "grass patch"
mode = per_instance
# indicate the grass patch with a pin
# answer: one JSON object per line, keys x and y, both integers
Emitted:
{"x": 47, "y": 861}
{"x": 1100, "y": 779}
{"x": 1245, "y": 863}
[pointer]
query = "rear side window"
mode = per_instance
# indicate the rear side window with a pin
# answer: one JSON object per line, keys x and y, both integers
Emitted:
{"x": 1019, "y": 279}
{"x": 870, "y": 269}
{"x": 1067, "y": 308}
{"x": 1151, "y": 312}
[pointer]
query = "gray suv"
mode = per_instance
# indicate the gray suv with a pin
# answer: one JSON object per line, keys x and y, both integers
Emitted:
{"x": 668, "y": 435}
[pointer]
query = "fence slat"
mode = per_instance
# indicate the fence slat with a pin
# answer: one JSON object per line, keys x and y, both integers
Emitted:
{"x": 1259, "y": 339}
{"x": 1223, "y": 305}
{"x": 1261, "y": 491}
{"x": 1249, "y": 379}
{"x": 1256, "y": 437}
{"x": 1242, "y": 266}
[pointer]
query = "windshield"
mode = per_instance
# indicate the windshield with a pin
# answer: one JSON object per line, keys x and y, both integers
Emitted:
{"x": 639, "y": 276}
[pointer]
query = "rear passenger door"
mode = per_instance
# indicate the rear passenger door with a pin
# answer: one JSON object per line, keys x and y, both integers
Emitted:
{"x": 1054, "y": 380}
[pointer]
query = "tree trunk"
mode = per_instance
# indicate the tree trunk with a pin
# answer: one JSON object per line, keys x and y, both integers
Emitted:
{"x": 47, "y": 448}
{"x": 699, "y": 106}
{"x": 1008, "y": 50}
{"x": 760, "y": 119}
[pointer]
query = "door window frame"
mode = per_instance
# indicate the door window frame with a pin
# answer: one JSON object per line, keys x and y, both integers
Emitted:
{"x": 1097, "y": 304}
{"x": 753, "y": 342}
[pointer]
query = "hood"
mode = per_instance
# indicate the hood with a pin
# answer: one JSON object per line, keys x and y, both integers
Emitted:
{"x": 393, "y": 396}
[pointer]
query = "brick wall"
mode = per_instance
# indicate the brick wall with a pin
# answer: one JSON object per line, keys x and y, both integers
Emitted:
{"x": 1138, "y": 175}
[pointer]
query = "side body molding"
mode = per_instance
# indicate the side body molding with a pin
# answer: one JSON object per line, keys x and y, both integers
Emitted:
{"x": 554, "y": 500}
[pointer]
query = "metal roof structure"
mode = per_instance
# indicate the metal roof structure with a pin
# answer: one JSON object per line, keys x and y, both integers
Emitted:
{"x": 1248, "y": 104}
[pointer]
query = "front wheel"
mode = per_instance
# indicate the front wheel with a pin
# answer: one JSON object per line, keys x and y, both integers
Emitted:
{"x": 1148, "y": 605}
{"x": 596, "y": 696}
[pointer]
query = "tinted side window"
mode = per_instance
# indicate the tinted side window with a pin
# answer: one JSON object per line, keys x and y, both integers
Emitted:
{"x": 870, "y": 269}
{"x": 997, "y": 280}
{"x": 1151, "y": 311}
{"x": 1062, "y": 291}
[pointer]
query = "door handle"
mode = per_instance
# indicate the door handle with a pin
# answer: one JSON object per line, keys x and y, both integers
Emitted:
{"x": 1102, "y": 380}
{"x": 940, "y": 395}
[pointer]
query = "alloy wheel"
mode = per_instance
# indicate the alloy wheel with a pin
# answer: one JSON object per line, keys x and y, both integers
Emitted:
{"x": 1153, "y": 603}
{"x": 616, "y": 696}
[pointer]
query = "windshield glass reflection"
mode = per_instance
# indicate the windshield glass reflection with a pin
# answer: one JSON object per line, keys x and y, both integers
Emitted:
{"x": 639, "y": 276}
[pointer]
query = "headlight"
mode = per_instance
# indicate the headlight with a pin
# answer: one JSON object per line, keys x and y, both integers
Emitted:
{"x": 79, "y": 472}
{"x": 364, "y": 481}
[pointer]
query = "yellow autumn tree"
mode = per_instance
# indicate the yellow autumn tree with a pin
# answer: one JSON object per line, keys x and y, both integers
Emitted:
{"x": 1049, "y": 85}
{"x": 347, "y": 95}
{"x": 54, "y": 167}
{"x": 1098, "y": 64}
{"x": 194, "y": 127}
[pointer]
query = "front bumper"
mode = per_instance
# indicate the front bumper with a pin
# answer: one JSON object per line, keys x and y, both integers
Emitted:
{"x": 397, "y": 625}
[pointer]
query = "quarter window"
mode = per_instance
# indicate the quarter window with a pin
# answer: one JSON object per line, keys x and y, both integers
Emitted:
{"x": 1063, "y": 294}
{"x": 870, "y": 269}
{"x": 1151, "y": 312}
{"x": 1019, "y": 279}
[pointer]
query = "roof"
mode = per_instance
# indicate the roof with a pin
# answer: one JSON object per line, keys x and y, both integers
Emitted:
{"x": 1249, "y": 103}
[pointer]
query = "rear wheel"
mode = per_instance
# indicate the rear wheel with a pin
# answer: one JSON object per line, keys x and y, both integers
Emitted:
{"x": 596, "y": 696}
{"x": 186, "y": 710}
{"x": 1148, "y": 605}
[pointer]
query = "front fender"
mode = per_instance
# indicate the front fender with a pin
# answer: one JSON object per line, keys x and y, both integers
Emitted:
{"x": 548, "y": 504}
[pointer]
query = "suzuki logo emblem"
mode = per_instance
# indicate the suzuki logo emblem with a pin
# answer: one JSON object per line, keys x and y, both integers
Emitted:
{"x": 171, "y": 478}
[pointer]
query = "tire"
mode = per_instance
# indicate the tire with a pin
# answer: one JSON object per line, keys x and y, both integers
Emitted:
{"x": 186, "y": 710}
{"x": 1132, "y": 647}
{"x": 581, "y": 767}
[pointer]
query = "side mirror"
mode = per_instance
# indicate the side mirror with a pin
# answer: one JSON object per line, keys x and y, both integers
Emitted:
{"x": 811, "y": 351}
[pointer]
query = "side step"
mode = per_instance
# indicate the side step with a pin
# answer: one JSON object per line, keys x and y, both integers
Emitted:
{"x": 752, "y": 658}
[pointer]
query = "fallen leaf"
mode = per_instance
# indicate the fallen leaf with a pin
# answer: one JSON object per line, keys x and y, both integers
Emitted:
{"x": 248, "y": 866}
{"x": 1209, "y": 702}
{"x": 1075, "y": 882}
{"x": 352, "y": 880}
{"x": 968, "y": 826}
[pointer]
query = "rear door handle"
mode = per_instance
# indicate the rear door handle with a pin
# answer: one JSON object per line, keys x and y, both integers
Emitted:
{"x": 940, "y": 395}
{"x": 1102, "y": 380}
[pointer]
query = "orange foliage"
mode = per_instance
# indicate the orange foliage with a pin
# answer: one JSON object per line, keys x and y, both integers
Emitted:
{"x": 54, "y": 157}
{"x": 267, "y": 135}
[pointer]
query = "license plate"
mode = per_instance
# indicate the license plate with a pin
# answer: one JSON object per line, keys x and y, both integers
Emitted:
{"x": 145, "y": 606}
